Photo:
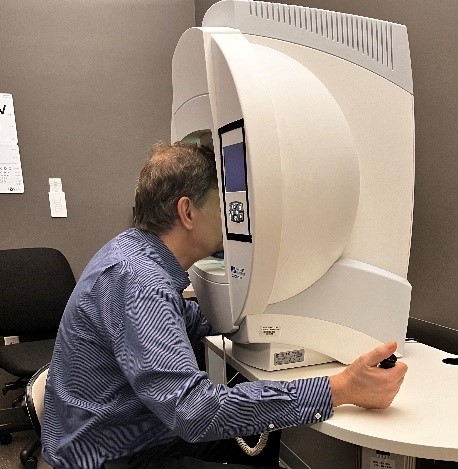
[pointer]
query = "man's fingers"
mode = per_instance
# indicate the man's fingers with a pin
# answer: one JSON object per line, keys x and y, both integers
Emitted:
{"x": 374, "y": 357}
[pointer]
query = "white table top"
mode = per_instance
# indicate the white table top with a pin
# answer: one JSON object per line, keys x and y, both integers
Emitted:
{"x": 189, "y": 292}
{"x": 421, "y": 422}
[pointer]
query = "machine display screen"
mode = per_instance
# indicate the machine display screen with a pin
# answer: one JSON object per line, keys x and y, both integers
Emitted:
{"x": 234, "y": 168}
{"x": 234, "y": 178}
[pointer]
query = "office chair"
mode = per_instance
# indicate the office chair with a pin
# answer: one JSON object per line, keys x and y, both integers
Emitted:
{"x": 34, "y": 402}
{"x": 35, "y": 284}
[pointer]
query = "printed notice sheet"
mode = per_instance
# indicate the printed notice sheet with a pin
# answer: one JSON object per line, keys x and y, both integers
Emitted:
{"x": 11, "y": 181}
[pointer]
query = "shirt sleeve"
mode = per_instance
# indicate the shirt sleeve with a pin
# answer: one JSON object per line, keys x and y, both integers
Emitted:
{"x": 156, "y": 357}
{"x": 197, "y": 325}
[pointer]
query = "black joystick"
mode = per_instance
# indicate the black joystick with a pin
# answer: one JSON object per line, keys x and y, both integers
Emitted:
{"x": 388, "y": 362}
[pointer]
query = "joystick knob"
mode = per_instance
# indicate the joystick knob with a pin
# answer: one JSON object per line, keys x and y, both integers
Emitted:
{"x": 388, "y": 362}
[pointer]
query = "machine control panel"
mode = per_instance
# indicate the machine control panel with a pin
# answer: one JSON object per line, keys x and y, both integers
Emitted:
{"x": 237, "y": 212}
{"x": 235, "y": 181}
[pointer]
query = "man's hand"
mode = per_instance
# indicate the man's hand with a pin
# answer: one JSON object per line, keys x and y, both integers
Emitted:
{"x": 364, "y": 384}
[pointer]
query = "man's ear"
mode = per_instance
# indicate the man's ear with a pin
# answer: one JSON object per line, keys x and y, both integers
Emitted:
{"x": 185, "y": 210}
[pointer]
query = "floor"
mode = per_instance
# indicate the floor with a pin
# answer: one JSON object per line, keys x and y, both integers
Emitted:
{"x": 9, "y": 454}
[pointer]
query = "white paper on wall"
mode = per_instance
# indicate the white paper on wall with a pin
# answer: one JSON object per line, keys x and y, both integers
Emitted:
{"x": 57, "y": 201}
{"x": 11, "y": 181}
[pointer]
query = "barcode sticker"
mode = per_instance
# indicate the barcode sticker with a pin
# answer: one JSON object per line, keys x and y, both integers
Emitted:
{"x": 270, "y": 331}
{"x": 382, "y": 463}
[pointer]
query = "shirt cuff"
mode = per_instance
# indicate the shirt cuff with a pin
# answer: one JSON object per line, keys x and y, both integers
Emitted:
{"x": 314, "y": 399}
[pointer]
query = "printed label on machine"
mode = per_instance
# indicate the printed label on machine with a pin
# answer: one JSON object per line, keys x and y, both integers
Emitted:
{"x": 289, "y": 356}
{"x": 270, "y": 331}
{"x": 379, "y": 463}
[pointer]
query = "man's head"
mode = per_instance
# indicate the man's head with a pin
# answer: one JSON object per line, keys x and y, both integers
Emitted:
{"x": 171, "y": 172}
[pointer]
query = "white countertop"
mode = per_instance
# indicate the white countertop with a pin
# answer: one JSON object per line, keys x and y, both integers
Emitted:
{"x": 421, "y": 422}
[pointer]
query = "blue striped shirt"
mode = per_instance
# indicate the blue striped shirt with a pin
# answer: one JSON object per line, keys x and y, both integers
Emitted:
{"x": 124, "y": 377}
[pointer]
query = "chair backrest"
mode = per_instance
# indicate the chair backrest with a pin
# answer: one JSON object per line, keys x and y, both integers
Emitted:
{"x": 35, "y": 286}
{"x": 35, "y": 397}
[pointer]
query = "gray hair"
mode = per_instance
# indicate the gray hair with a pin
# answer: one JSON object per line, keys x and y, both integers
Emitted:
{"x": 171, "y": 172}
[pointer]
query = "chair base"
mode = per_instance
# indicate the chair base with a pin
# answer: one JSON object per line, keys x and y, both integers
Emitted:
{"x": 20, "y": 383}
{"x": 27, "y": 455}
{"x": 31, "y": 463}
{"x": 14, "y": 420}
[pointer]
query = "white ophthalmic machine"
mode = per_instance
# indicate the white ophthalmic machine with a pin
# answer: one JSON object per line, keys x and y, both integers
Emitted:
{"x": 310, "y": 115}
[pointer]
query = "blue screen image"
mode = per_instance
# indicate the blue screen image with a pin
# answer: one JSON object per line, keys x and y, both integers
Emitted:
{"x": 234, "y": 168}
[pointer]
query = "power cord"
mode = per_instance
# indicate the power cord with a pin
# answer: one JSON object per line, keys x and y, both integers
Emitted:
{"x": 260, "y": 445}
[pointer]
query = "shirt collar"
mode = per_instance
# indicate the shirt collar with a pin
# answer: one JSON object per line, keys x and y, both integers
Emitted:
{"x": 166, "y": 259}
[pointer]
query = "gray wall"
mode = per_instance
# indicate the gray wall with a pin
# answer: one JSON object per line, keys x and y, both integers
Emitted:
{"x": 201, "y": 7}
{"x": 91, "y": 82}
{"x": 433, "y": 38}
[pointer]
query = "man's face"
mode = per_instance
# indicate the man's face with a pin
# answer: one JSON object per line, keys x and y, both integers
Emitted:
{"x": 209, "y": 230}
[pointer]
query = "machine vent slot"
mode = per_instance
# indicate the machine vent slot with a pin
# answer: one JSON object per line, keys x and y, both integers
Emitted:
{"x": 369, "y": 37}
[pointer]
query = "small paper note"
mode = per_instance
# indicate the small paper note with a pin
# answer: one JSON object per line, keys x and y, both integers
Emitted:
{"x": 55, "y": 185}
{"x": 58, "y": 204}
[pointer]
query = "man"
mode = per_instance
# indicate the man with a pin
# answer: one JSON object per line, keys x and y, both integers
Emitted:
{"x": 124, "y": 389}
